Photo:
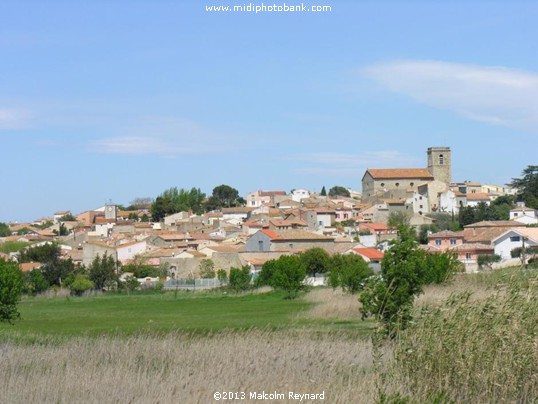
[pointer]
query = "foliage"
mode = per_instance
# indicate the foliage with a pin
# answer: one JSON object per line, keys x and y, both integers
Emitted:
{"x": 102, "y": 271}
{"x": 11, "y": 285}
{"x": 288, "y": 274}
{"x": 224, "y": 196}
{"x": 67, "y": 218}
{"x": 4, "y": 230}
{"x": 131, "y": 283}
{"x": 527, "y": 186}
{"x": 442, "y": 221}
{"x": 141, "y": 203}
{"x": 46, "y": 253}
{"x": 81, "y": 284}
{"x": 516, "y": 252}
{"x": 55, "y": 269}
{"x": 174, "y": 200}
{"x": 62, "y": 230}
{"x": 323, "y": 191}
{"x": 499, "y": 209}
{"x": 397, "y": 219}
{"x": 13, "y": 246}
{"x": 207, "y": 269}
{"x": 389, "y": 297}
{"x": 222, "y": 276}
{"x": 35, "y": 282}
{"x": 338, "y": 190}
{"x": 476, "y": 350}
{"x": 349, "y": 272}
{"x": 441, "y": 267}
{"x": 487, "y": 260}
{"x": 144, "y": 218}
{"x": 240, "y": 278}
{"x": 316, "y": 261}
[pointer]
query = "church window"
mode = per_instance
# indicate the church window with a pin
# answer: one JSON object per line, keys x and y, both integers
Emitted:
{"x": 441, "y": 159}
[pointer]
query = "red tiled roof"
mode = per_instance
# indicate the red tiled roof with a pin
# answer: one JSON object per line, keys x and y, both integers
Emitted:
{"x": 397, "y": 173}
{"x": 370, "y": 253}
{"x": 478, "y": 197}
{"x": 272, "y": 235}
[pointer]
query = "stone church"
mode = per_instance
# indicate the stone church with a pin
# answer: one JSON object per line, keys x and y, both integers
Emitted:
{"x": 380, "y": 184}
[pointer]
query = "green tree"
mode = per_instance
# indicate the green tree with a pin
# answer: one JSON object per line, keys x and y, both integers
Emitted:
{"x": 527, "y": 186}
{"x": 441, "y": 267}
{"x": 239, "y": 279}
{"x": 338, "y": 190}
{"x": 349, "y": 272}
{"x": 288, "y": 274}
{"x": 55, "y": 268}
{"x": 81, "y": 284}
{"x": 102, "y": 271}
{"x": 4, "y": 230}
{"x": 316, "y": 261}
{"x": 131, "y": 283}
{"x": 224, "y": 196}
{"x": 67, "y": 218}
{"x": 35, "y": 282}
{"x": 207, "y": 269}
{"x": 222, "y": 276}
{"x": 487, "y": 260}
{"x": 162, "y": 207}
{"x": 397, "y": 219}
{"x": 323, "y": 191}
{"x": 389, "y": 297}
{"x": 11, "y": 285}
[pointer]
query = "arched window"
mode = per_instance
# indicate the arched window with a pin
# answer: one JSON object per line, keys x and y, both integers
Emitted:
{"x": 397, "y": 184}
{"x": 441, "y": 159}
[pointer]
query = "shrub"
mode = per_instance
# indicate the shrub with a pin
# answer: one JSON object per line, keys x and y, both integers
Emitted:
{"x": 81, "y": 284}
{"x": 316, "y": 261}
{"x": 207, "y": 269}
{"x": 348, "y": 272}
{"x": 222, "y": 276}
{"x": 240, "y": 278}
{"x": 487, "y": 260}
{"x": 11, "y": 284}
{"x": 288, "y": 274}
{"x": 441, "y": 267}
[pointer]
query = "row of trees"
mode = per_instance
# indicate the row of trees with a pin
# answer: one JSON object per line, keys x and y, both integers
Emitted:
{"x": 175, "y": 200}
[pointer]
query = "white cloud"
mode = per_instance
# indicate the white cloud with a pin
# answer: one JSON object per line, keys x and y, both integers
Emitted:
{"x": 351, "y": 165}
{"x": 166, "y": 137}
{"x": 11, "y": 119}
{"x": 495, "y": 95}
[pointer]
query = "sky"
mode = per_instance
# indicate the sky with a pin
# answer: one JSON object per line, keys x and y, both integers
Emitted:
{"x": 114, "y": 100}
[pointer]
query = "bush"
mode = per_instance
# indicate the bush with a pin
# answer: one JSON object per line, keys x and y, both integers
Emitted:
{"x": 131, "y": 283}
{"x": 222, "y": 276}
{"x": 81, "y": 284}
{"x": 35, "y": 282}
{"x": 316, "y": 261}
{"x": 487, "y": 260}
{"x": 348, "y": 272}
{"x": 288, "y": 274}
{"x": 441, "y": 267}
{"x": 207, "y": 269}
{"x": 240, "y": 278}
{"x": 11, "y": 284}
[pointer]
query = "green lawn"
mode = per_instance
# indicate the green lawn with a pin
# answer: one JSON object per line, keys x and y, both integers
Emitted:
{"x": 158, "y": 313}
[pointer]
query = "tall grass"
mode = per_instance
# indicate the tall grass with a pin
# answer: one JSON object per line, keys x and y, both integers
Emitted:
{"x": 183, "y": 368}
{"x": 482, "y": 350}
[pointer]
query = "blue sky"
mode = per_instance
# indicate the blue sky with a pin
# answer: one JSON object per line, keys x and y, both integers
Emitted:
{"x": 121, "y": 99}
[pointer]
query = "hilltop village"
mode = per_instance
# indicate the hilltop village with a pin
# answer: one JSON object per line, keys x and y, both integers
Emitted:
{"x": 469, "y": 218}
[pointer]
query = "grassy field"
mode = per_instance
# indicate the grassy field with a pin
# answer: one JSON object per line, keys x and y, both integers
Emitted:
{"x": 473, "y": 340}
{"x": 160, "y": 313}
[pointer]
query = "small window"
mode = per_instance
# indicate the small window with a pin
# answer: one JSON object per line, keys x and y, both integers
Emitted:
{"x": 468, "y": 256}
{"x": 515, "y": 213}
{"x": 441, "y": 159}
{"x": 382, "y": 184}
{"x": 515, "y": 238}
{"x": 453, "y": 241}
{"x": 437, "y": 242}
{"x": 291, "y": 245}
{"x": 421, "y": 206}
{"x": 412, "y": 184}
{"x": 397, "y": 184}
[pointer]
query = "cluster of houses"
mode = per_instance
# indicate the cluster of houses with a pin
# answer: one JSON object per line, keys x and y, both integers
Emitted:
{"x": 275, "y": 223}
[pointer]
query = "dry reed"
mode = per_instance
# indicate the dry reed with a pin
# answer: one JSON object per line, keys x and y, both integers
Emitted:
{"x": 186, "y": 368}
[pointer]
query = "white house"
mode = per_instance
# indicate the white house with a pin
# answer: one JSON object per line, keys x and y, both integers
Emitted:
{"x": 126, "y": 252}
{"x": 299, "y": 194}
{"x": 523, "y": 214}
{"x": 514, "y": 238}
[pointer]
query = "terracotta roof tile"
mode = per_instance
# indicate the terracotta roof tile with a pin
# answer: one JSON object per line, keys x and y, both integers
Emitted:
{"x": 397, "y": 173}
{"x": 370, "y": 253}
